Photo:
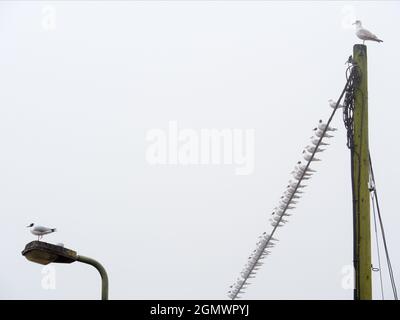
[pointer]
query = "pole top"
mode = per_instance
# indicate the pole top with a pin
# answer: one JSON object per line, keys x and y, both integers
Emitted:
{"x": 360, "y": 48}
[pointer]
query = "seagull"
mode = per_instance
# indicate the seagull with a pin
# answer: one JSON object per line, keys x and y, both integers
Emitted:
{"x": 284, "y": 203}
{"x": 294, "y": 183}
{"x": 298, "y": 170}
{"x": 287, "y": 197}
{"x": 332, "y": 104}
{"x": 322, "y": 126}
{"x": 277, "y": 218}
{"x": 297, "y": 191}
{"x": 279, "y": 224}
{"x": 307, "y": 156}
{"x": 302, "y": 167}
{"x": 269, "y": 236}
{"x": 319, "y": 133}
{"x": 312, "y": 148}
{"x": 274, "y": 224}
{"x": 276, "y": 211}
{"x": 298, "y": 176}
{"x": 40, "y": 231}
{"x": 364, "y": 34}
{"x": 315, "y": 141}
{"x": 285, "y": 206}
{"x": 294, "y": 191}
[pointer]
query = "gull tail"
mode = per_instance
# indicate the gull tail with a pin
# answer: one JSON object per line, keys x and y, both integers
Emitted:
{"x": 53, "y": 230}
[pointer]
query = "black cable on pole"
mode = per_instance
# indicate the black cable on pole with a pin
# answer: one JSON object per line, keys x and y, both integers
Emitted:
{"x": 372, "y": 187}
{"x": 392, "y": 280}
{"x": 348, "y": 112}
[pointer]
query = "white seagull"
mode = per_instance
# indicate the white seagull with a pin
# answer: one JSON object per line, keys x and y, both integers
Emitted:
{"x": 312, "y": 148}
{"x": 315, "y": 141}
{"x": 318, "y": 133}
{"x": 322, "y": 126}
{"x": 298, "y": 175}
{"x": 332, "y": 104}
{"x": 302, "y": 167}
{"x": 308, "y": 156}
{"x": 40, "y": 231}
{"x": 364, "y": 34}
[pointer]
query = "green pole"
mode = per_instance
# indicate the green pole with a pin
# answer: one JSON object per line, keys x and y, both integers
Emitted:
{"x": 102, "y": 271}
{"x": 362, "y": 237}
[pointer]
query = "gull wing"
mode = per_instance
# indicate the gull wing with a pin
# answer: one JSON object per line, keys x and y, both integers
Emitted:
{"x": 42, "y": 229}
{"x": 364, "y": 34}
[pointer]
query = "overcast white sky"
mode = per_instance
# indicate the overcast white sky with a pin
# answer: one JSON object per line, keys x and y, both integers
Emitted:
{"x": 80, "y": 91}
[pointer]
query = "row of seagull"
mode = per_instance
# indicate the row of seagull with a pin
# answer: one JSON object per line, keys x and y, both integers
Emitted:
{"x": 265, "y": 242}
{"x": 288, "y": 200}
{"x": 301, "y": 172}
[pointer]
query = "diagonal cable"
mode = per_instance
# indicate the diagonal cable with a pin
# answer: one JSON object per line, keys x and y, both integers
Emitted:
{"x": 261, "y": 252}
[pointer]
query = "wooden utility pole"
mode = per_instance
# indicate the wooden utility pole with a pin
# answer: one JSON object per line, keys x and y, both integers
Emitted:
{"x": 362, "y": 233}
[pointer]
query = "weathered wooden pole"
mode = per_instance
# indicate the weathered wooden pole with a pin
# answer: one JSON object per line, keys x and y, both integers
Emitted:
{"x": 362, "y": 236}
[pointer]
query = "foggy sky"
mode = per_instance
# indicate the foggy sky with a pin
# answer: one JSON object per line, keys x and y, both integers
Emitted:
{"x": 80, "y": 93}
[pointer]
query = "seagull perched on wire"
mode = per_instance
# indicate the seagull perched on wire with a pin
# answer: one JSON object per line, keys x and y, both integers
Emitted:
{"x": 364, "y": 34}
{"x": 299, "y": 175}
{"x": 319, "y": 133}
{"x": 308, "y": 156}
{"x": 302, "y": 167}
{"x": 40, "y": 231}
{"x": 311, "y": 149}
{"x": 315, "y": 141}
{"x": 332, "y": 104}
{"x": 322, "y": 126}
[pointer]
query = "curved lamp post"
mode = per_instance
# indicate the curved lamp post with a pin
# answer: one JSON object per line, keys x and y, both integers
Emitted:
{"x": 45, "y": 253}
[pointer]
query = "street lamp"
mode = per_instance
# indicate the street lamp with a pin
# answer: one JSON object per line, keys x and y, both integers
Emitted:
{"x": 45, "y": 253}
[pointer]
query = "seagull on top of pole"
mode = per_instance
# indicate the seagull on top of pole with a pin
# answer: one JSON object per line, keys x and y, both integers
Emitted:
{"x": 364, "y": 34}
{"x": 40, "y": 231}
